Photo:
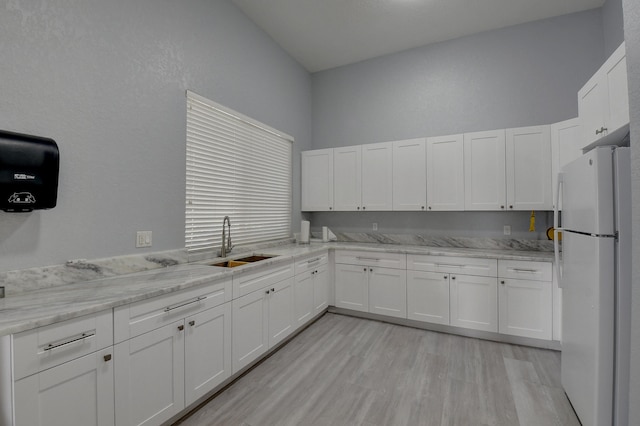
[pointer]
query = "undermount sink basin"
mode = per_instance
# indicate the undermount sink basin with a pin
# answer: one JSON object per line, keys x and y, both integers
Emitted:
{"x": 239, "y": 262}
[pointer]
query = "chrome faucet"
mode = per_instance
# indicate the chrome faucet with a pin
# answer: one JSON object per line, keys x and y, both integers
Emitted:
{"x": 226, "y": 246}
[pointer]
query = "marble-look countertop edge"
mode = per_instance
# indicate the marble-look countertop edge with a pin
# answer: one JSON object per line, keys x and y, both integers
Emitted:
{"x": 55, "y": 304}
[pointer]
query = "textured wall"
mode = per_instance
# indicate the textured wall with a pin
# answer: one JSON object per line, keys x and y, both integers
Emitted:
{"x": 107, "y": 81}
{"x": 632, "y": 41}
{"x": 612, "y": 26}
{"x": 523, "y": 75}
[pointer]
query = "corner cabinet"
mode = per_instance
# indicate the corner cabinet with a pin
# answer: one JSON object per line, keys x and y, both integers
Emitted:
{"x": 317, "y": 180}
{"x": 603, "y": 102}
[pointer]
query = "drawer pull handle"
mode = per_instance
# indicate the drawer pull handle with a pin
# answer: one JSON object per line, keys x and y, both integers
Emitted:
{"x": 528, "y": 271}
{"x": 196, "y": 300}
{"x": 83, "y": 336}
{"x": 107, "y": 358}
{"x": 314, "y": 260}
{"x": 450, "y": 265}
{"x": 368, "y": 258}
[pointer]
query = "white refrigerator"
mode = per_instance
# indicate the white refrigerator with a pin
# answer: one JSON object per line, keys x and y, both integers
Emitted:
{"x": 595, "y": 277}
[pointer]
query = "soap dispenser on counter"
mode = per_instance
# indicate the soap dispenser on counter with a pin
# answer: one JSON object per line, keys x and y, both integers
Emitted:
{"x": 29, "y": 168}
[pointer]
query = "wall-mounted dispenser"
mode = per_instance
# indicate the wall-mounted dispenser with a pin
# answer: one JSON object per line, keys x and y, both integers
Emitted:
{"x": 28, "y": 172}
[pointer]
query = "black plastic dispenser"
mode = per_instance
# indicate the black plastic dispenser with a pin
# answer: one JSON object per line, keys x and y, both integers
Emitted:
{"x": 29, "y": 168}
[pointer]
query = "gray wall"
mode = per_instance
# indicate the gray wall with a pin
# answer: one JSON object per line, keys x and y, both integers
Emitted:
{"x": 518, "y": 76}
{"x": 107, "y": 81}
{"x": 632, "y": 41}
{"x": 523, "y": 75}
{"x": 612, "y": 26}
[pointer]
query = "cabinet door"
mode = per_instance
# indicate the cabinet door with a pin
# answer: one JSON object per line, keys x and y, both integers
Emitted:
{"x": 78, "y": 392}
{"x": 149, "y": 376}
{"x": 377, "y": 176}
{"x": 445, "y": 173}
{"x": 484, "y": 170}
{"x": 474, "y": 302}
{"x": 525, "y": 308}
{"x": 317, "y": 180}
{"x": 321, "y": 289}
{"x": 347, "y": 178}
{"x": 207, "y": 351}
{"x": 617, "y": 101}
{"x": 281, "y": 318}
{"x": 388, "y": 292}
{"x": 409, "y": 175}
{"x": 303, "y": 295}
{"x": 591, "y": 109}
{"x": 528, "y": 160}
{"x": 428, "y": 297}
{"x": 352, "y": 287}
{"x": 566, "y": 146}
{"x": 250, "y": 324}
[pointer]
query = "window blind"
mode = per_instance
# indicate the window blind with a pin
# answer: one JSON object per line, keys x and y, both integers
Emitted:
{"x": 236, "y": 167}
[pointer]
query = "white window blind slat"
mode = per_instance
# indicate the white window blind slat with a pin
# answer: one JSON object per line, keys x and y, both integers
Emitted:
{"x": 236, "y": 167}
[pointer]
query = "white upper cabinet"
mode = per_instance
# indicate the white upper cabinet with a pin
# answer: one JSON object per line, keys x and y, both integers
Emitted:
{"x": 484, "y": 170}
{"x": 409, "y": 175}
{"x": 528, "y": 162}
{"x": 347, "y": 178}
{"x": 603, "y": 102}
{"x": 445, "y": 173}
{"x": 377, "y": 176}
{"x": 317, "y": 180}
{"x": 566, "y": 146}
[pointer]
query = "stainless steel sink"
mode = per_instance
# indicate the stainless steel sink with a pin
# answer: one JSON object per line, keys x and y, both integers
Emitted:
{"x": 239, "y": 262}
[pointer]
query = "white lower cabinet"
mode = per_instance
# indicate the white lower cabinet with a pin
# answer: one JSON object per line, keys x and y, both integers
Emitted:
{"x": 149, "y": 376}
{"x": 388, "y": 292}
{"x": 352, "y": 287}
{"x": 78, "y": 392}
{"x": 207, "y": 351}
{"x": 526, "y": 298}
{"x": 261, "y": 320}
{"x": 311, "y": 294}
{"x": 428, "y": 297}
{"x": 474, "y": 302}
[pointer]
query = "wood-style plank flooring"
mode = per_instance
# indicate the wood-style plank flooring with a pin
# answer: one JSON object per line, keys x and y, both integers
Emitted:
{"x": 351, "y": 371}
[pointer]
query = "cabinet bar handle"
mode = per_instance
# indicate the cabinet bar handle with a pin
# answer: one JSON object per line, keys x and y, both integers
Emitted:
{"x": 529, "y": 271}
{"x": 368, "y": 258}
{"x": 192, "y": 323}
{"x": 107, "y": 358}
{"x": 68, "y": 342}
{"x": 181, "y": 327}
{"x": 196, "y": 300}
{"x": 314, "y": 260}
{"x": 452, "y": 265}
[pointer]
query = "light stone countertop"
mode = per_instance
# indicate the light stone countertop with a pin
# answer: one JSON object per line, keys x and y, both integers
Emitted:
{"x": 54, "y": 304}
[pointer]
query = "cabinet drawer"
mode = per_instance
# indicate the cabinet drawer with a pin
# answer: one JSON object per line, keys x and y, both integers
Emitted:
{"x": 45, "y": 347}
{"x": 252, "y": 281}
{"x": 140, "y": 317}
{"x": 525, "y": 270}
{"x": 453, "y": 265}
{"x": 309, "y": 263}
{"x": 383, "y": 260}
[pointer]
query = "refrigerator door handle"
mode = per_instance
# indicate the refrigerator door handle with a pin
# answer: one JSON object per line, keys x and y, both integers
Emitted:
{"x": 557, "y": 230}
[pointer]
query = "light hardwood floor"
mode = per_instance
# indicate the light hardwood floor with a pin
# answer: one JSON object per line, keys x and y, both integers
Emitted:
{"x": 350, "y": 371}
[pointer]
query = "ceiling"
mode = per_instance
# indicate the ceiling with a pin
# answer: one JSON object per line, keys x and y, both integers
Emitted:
{"x": 323, "y": 34}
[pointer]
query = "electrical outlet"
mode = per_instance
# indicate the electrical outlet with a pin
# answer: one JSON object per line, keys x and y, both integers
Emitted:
{"x": 143, "y": 239}
{"x": 507, "y": 230}
{"x": 375, "y": 226}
